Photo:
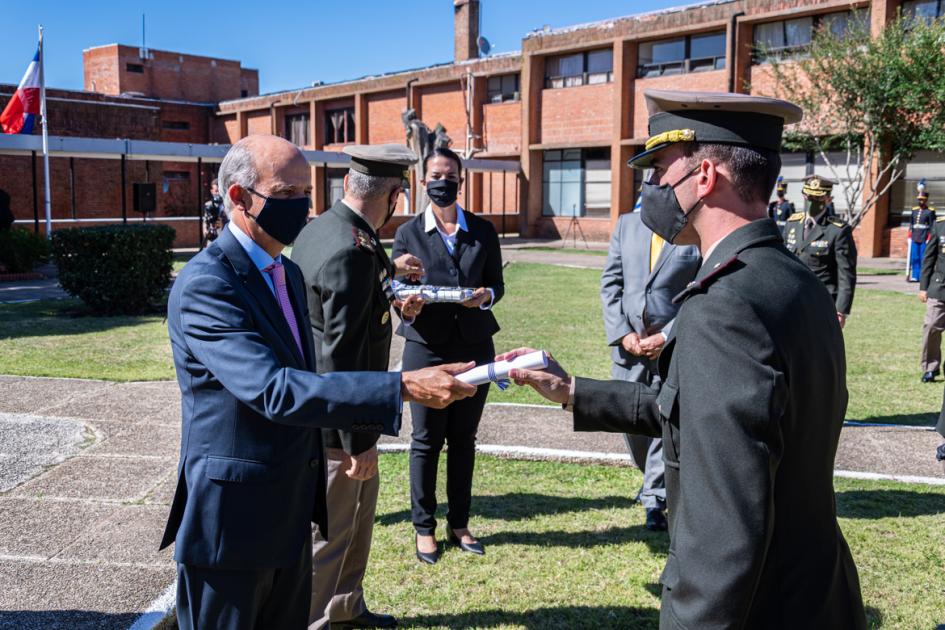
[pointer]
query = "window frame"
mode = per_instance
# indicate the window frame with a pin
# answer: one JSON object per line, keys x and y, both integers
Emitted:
{"x": 501, "y": 95}
{"x": 348, "y": 134}
{"x": 684, "y": 65}
{"x": 797, "y": 51}
{"x": 287, "y": 127}
{"x": 584, "y": 77}
{"x": 586, "y": 154}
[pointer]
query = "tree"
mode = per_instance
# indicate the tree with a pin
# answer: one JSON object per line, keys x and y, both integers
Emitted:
{"x": 874, "y": 100}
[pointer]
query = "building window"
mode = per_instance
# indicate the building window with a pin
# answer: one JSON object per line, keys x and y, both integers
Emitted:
{"x": 296, "y": 129}
{"x": 137, "y": 68}
{"x": 584, "y": 68}
{"x": 791, "y": 38}
{"x": 695, "y": 53}
{"x": 334, "y": 185}
{"x": 176, "y": 176}
{"x": 339, "y": 125}
{"x": 176, "y": 125}
{"x": 576, "y": 183}
{"x": 503, "y": 88}
{"x": 244, "y": 93}
{"x": 926, "y": 10}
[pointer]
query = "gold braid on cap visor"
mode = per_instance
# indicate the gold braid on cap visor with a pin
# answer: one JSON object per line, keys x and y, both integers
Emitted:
{"x": 674, "y": 135}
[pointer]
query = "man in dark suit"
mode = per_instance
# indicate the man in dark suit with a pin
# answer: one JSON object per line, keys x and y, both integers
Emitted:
{"x": 347, "y": 281}
{"x": 642, "y": 275}
{"x": 754, "y": 384}
{"x": 251, "y": 476}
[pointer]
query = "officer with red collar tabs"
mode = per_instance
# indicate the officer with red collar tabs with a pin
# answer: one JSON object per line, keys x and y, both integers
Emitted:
{"x": 824, "y": 243}
{"x": 753, "y": 388}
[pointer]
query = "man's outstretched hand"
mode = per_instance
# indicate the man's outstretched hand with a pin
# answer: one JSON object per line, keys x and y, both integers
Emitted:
{"x": 552, "y": 383}
{"x": 435, "y": 386}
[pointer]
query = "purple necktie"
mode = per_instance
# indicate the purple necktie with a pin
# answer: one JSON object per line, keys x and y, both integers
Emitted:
{"x": 277, "y": 272}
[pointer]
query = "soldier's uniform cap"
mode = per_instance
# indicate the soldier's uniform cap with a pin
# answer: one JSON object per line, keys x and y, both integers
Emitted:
{"x": 381, "y": 160}
{"x": 922, "y": 195}
{"x": 817, "y": 186}
{"x": 782, "y": 185}
{"x": 714, "y": 118}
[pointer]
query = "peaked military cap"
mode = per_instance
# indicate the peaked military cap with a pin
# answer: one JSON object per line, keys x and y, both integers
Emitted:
{"x": 781, "y": 185}
{"x": 715, "y": 118}
{"x": 817, "y": 186}
{"x": 381, "y": 160}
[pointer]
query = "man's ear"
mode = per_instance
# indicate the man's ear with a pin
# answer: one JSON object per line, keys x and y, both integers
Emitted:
{"x": 235, "y": 193}
{"x": 706, "y": 179}
{"x": 345, "y": 184}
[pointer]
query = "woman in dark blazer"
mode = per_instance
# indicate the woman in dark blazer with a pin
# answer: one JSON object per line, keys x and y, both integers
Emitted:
{"x": 458, "y": 249}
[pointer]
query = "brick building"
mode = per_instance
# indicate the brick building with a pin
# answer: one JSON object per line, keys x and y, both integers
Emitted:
{"x": 568, "y": 107}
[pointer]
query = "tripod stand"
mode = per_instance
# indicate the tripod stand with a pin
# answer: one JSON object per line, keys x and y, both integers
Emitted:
{"x": 574, "y": 227}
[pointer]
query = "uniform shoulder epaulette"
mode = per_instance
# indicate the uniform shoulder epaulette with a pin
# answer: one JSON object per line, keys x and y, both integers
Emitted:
{"x": 916, "y": 208}
{"x": 797, "y": 216}
{"x": 362, "y": 240}
{"x": 701, "y": 283}
{"x": 837, "y": 221}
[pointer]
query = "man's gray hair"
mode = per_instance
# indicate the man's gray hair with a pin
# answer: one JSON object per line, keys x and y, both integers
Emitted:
{"x": 238, "y": 168}
{"x": 368, "y": 187}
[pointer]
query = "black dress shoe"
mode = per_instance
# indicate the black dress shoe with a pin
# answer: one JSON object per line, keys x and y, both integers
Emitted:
{"x": 475, "y": 547}
{"x": 928, "y": 377}
{"x": 656, "y": 520}
{"x": 425, "y": 557}
{"x": 367, "y": 619}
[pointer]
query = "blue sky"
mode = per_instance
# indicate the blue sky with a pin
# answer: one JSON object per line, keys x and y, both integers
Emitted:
{"x": 291, "y": 42}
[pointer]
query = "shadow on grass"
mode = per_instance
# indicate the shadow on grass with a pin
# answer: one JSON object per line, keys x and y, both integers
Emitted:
{"x": 521, "y": 505}
{"x": 64, "y": 317}
{"x": 910, "y": 419}
{"x": 65, "y": 619}
{"x": 874, "y": 617}
{"x": 656, "y": 541}
{"x": 624, "y": 617}
{"x": 888, "y": 503}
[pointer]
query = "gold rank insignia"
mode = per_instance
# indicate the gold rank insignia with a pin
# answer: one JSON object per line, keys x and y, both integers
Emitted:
{"x": 363, "y": 240}
{"x": 385, "y": 317}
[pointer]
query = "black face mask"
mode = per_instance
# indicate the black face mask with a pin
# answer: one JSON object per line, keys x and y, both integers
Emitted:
{"x": 443, "y": 192}
{"x": 813, "y": 207}
{"x": 661, "y": 211}
{"x": 390, "y": 212}
{"x": 282, "y": 219}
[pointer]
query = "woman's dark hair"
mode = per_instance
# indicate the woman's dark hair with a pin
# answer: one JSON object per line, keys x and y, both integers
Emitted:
{"x": 445, "y": 153}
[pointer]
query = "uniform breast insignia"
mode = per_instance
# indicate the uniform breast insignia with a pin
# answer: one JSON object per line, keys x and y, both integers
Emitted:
{"x": 363, "y": 240}
{"x": 385, "y": 318}
{"x": 384, "y": 279}
{"x": 820, "y": 244}
{"x": 701, "y": 283}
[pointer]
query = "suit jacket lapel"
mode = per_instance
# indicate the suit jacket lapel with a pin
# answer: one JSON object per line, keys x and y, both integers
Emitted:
{"x": 665, "y": 253}
{"x": 258, "y": 289}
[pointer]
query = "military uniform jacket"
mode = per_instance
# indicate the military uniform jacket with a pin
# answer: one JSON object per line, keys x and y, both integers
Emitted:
{"x": 830, "y": 253}
{"x": 920, "y": 225}
{"x": 932, "y": 278}
{"x": 780, "y": 210}
{"x": 750, "y": 412}
{"x": 346, "y": 272}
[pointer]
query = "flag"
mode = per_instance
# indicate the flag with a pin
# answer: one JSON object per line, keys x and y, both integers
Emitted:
{"x": 21, "y": 112}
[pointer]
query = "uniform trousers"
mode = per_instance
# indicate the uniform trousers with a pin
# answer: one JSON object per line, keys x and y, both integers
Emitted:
{"x": 932, "y": 329}
{"x": 647, "y": 452}
{"x": 340, "y": 562}
{"x": 254, "y": 599}
{"x": 455, "y": 426}
{"x": 916, "y": 252}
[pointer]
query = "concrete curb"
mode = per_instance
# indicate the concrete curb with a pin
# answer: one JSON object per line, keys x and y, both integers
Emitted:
{"x": 160, "y": 614}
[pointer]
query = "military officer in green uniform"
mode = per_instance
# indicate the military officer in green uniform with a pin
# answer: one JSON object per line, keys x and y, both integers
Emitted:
{"x": 824, "y": 243}
{"x": 753, "y": 391}
{"x": 348, "y": 279}
{"x": 932, "y": 292}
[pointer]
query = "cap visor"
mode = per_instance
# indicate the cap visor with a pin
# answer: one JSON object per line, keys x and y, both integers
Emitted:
{"x": 645, "y": 159}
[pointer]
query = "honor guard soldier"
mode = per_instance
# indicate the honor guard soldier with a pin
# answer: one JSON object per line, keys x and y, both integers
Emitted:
{"x": 348, "y": 278}
{"x": 824, "y": 243}
{"x": 753, "y": 383}
{"x": 780, "y": 209}
{"x": 932, "y": 292}
{"x": 920, "y": 231}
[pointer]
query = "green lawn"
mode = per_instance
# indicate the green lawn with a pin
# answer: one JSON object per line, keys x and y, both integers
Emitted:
{"x": 555, "y": 308}
{"x": 879, "y": 271}
{"x": 567, "y": 250}
{"x": 566, "y": 549}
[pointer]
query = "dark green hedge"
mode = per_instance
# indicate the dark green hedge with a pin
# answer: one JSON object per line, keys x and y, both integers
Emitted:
{"x": 21, "y": 250}
{"x": 116, "y": 269}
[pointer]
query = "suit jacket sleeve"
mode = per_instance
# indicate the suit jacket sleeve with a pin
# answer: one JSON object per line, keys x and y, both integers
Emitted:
{"x": 616, "y": 326}
{"x": 928, "y": 261}
{"x": 347, "y": 288}
{"x": 221, "y": 335}
{"x": 400, "y": 242}
{"x": 616, "y": 407}
{"x": 846, "y": 269}
{"x": 731, "y": 397}
{"x": 492, "y": 272}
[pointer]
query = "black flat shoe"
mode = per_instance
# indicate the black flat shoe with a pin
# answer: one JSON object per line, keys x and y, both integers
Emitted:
{"x": 367, "y": 619}
{"x": 427, "y": 558}
{"x": 475, "y": 547}
{"x": 928, "y": 377}
{"x": 656, "y": 520}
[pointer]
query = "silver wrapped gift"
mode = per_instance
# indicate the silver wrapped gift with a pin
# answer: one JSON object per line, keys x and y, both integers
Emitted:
{"x": 431, "y": 293}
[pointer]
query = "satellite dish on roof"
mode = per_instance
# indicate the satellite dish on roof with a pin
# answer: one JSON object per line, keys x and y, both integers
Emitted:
{"x": 484, "y": 46}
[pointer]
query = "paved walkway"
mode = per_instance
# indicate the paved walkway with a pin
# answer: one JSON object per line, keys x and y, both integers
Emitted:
{"x": 79, "y": 527}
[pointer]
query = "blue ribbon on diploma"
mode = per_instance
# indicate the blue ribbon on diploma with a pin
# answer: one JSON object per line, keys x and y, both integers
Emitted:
{"x": 501, "y": 383}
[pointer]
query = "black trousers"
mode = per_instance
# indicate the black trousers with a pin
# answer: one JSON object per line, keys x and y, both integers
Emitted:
{"x": 455, "y": 426}
{"x": 245, "y": 599}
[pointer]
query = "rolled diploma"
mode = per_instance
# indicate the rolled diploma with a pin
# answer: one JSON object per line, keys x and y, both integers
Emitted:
{"x": 482, "y": 374}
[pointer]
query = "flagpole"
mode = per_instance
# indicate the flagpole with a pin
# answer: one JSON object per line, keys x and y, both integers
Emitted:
{"x": 42, "y": 115}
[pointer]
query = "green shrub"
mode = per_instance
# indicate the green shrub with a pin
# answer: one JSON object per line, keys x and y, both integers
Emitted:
{"x": 21, "y": 250}
{"x": 115, "y": 269}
